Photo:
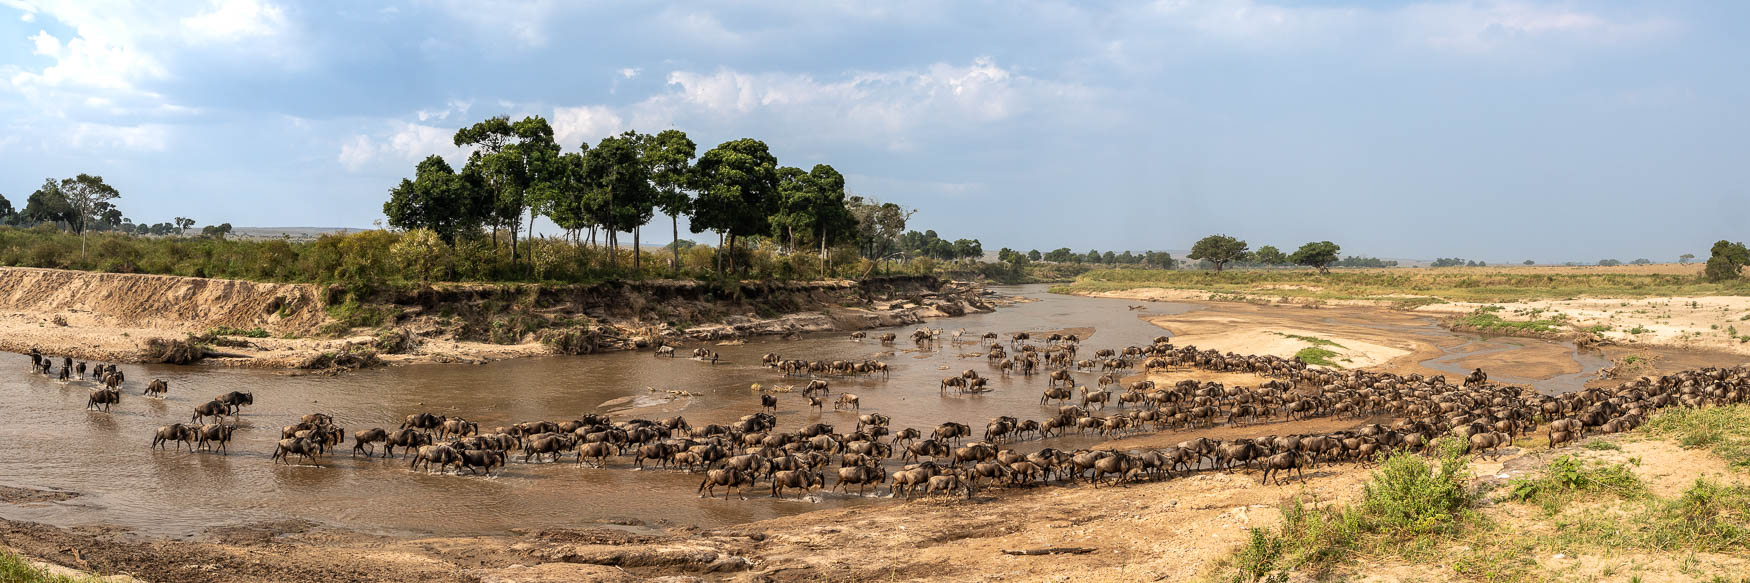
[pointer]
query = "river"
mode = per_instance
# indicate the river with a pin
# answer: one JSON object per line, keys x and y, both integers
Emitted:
{"x": 50, "y": 441}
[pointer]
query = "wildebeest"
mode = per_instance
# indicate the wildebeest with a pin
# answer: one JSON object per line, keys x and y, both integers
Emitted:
{"x": 728, "y": 478}
{"x": 235, "y": 400}
{"x": 156, "y": 388}
{"x": 103, "y": 398}
{"x": 182, "y": 434}
{"x": 362, "y": 440}
{"x": 216, "y": 434}
{"x": 305, "y": 448}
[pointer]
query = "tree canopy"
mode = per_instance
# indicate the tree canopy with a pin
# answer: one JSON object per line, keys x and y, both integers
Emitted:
{"x": 1727, "y": 261}
{"x": 1218, "y": 250}
{"x": 1319, "y": 255}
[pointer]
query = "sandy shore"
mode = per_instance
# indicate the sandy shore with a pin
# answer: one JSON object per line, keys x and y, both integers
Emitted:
{"x": 1718, "y": 324}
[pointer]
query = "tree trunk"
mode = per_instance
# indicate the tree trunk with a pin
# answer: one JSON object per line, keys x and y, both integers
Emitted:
{"x": 637, "y": 253}
{"x": 823, "y": 251}
{"x": 675, "y": 221}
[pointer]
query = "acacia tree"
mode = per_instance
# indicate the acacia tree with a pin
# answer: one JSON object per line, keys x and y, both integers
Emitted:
{"x": 182, "y": 224}
{"x": 1319, "y": 255}
{"x": 668, "y": 157}
{"x": 879, "y": 225}
{"x": 1269, "y": 255}
{"x": 1685, "y": 258}
{"x": 1218, "y": 249}
{"x": 88, "y": 196}
{"x": 737, "y": 182}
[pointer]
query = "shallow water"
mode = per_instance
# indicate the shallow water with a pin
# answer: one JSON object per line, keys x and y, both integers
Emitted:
{"x": 50, "y": 441}
{"x": 53, "y": 442}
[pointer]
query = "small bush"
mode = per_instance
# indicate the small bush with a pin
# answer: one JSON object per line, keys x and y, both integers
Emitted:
{"x": 1568, "y": 478}
{"x": 229, "y": 331}
{"x": 165, "y": 351}
{"x": 16, "y": 569}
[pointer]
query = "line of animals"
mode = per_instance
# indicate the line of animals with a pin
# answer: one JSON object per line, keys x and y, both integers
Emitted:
{"x": 1485, "y": 416}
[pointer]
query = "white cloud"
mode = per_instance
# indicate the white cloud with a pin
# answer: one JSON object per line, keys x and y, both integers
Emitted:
{"x": 455, "y": 107}
{"x": 888, "y": 106}
{"x": 234, "y": 20}
{"x": 400, "y": 143}
{"x": 141, "y": 138}
{"x": 1480, "y": 27}
{"x": 576, "y": 125}
{"x": 630, "y": 72}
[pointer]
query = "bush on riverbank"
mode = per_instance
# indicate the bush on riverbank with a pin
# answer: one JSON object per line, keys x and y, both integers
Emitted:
{"x": 1410, "y": 504}
{"x": 372, "y": 259}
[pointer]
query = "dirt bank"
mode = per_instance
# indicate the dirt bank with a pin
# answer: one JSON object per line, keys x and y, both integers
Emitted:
{"x": 113, "y": 317}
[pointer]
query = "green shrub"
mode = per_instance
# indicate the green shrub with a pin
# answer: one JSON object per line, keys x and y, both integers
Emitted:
{"x": 16, "y": 569}
{"x": 1568, "y": 477}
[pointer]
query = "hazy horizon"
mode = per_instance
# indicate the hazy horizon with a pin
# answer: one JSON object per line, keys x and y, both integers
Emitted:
{"x": 1502, "y": 131}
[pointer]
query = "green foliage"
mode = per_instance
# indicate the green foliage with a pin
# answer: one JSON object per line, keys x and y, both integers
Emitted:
{"x": 1269, "y": 255}
{"x": 1488, "y": 321}
{"x": 1319, "y": 255}
{"x": 1315, "y": 341}
{"x": 1218, "y": 250}
{"x": 16, "y": 569}
{"x": 1727, "y": 261}
{"x": 1724, "y": 431}
{"x": 1568, "y": 478}
{"x": 229, "y": 331}
{"x": 1407, "y": 503}
{"x": 1409, "y": 497}
{"x": 1316, "y": 355}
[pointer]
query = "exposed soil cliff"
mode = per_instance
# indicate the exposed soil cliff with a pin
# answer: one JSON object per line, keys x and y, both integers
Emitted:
{"x": 114, "y": 317}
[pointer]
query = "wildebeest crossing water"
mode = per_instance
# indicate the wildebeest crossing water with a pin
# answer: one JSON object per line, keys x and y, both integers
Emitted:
{"x": 50, "y": 441}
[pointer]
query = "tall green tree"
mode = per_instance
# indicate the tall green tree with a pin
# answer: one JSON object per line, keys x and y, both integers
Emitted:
{"x": 668, "y": 158}
{"x": 1318, "y": 255}
{"x": 510, "y": 159}
{"x": 437, "y": 199}
{"x": 6, "y": 212}
{"x": 1727, "y": 261}
{"x": 813, "y": 203}
{"x": 89, "y": 197}
{"x": 619, "y": 193}
{"x": 1218, "y": 250}
{"x": 737, "y": 186}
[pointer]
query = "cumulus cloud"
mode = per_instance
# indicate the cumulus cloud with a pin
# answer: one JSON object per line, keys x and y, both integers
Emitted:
{"x": 400, "y": 143}
{"x": 230, "y": 21}
{"x": 590, "y": 123}
{"x": 886, "y": 106}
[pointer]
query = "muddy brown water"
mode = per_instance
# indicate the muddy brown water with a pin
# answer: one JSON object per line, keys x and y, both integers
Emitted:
{"x": 49, "y": 441}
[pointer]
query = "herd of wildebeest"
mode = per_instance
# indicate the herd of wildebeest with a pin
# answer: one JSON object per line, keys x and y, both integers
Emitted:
{"x": 950, "y": 459}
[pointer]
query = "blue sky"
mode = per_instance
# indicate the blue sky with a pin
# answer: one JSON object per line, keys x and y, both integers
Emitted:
{"x": 1499, "y": 130}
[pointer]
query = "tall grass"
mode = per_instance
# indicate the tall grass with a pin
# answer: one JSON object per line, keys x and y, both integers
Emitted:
{"x": 1480, "y": 285}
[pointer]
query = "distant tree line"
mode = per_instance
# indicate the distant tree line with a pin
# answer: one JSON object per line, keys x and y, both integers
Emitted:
{"x": 1156, "y": 259}
{"x": 85, "y": 203}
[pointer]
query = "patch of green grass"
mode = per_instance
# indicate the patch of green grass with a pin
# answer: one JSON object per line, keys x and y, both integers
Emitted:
{"x": 1723, "y": 431}
{"x": 1568, "y": 478}
{"x": 1309, "y": 339}
{"x": 15, "y": 569}
{"x": 1638, "y": 330}
{"x": 1393, "y": 284}
{"x": 1484, "y": 320}
{"x": 1316, "y": 355}
{"x": 1601, "y": 445}
{"x": 1599, "y": 329}
{"x": 229, "y": 331}
{"x": 1409, "y": 505}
